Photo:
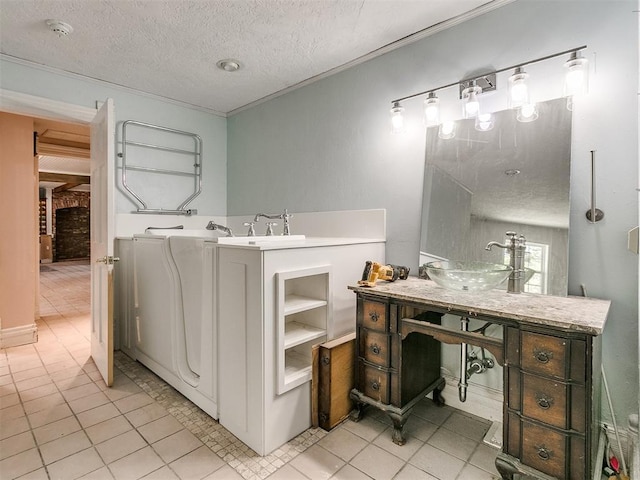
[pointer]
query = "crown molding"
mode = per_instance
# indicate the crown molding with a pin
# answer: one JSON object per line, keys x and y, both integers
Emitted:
{"x": 408, "y": 40}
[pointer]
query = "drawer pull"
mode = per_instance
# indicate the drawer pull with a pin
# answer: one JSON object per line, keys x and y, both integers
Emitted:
{"x": 375, "y": 349}
{"x": 375, "y": 386}
{"x": 543, "y": 401}
{"x": 543, "y": 356}
{"x": 374, "y": 316}
{"x": 544, "y": 453}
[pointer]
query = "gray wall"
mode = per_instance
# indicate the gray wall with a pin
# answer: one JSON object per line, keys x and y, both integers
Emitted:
{"x": 327, "y": 146}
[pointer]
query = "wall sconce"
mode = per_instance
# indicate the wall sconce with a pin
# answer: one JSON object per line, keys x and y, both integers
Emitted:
{"x": 431, "y": 110}
{"x": 518, "y": 88}
{"x": 397, "y": 120}
{"x": 576, "y": 79}
{"x": 518, "y": 95}
{"x": 470, "y": 102}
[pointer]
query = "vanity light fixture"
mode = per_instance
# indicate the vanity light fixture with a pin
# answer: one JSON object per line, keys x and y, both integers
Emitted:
{"x": 397, "y": 120}
{"x": 576, "y": 79}
{"x": 431, "y": 110}
{"x": 470, "y": 102}
{"x": 518, "y": 90}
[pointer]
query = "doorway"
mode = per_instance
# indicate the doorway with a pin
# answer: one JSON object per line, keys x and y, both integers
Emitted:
{"x": 62, "y": 133}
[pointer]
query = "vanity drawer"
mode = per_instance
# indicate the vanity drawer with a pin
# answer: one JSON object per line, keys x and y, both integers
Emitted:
{"x": 544, "y": 354}
{"x": 378, "y": 348}
{"x": 545, "y": 400}
{"x": 554, "y": 453}
{"x": 375, "y": 382}
{"x": 563, "y": 405}
{"x": 374, "y": 316}
{"x": 544, "y": 449}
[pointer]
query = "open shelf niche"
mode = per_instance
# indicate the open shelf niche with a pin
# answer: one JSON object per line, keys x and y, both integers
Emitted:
{"x": 303, "y": 319}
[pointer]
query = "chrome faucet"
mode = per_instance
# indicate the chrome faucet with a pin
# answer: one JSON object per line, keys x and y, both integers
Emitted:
{"x": 214, "y": 226}
{"x": 516, "y": 246}
{"x": 284, "y": 216}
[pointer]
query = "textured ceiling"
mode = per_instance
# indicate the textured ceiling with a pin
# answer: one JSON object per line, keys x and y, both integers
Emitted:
{"x": 170, "y": 47}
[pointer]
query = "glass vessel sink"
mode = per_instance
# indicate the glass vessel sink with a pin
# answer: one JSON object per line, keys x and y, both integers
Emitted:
{"x": 468, "y": 276}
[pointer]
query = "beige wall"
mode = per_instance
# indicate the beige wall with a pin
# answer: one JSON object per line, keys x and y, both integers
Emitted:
{"x": 18, "y": 223}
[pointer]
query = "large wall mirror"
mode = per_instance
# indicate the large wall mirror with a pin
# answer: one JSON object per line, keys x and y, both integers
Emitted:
{"x": 515, "y": 177}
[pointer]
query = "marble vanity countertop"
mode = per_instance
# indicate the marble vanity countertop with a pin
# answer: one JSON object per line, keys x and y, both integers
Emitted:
{"x": 579, "y": 314}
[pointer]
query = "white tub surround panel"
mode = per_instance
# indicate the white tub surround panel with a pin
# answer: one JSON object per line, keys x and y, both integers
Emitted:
{"x": 250, "y": 322}
{"x": 346, "y": 223}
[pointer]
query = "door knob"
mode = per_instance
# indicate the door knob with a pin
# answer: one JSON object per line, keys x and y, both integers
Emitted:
{"x": 108, "y": 260}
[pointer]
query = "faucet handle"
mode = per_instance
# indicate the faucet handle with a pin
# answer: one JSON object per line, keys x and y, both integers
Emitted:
{"x": 511, "y": 234}
{"x": 270, "y": 226}
{"x": 251, "y": 232}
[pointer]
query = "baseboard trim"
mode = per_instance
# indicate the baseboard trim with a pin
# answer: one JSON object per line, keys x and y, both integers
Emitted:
{"x": 482, "y": 401}
{"x": 16, "y": 336}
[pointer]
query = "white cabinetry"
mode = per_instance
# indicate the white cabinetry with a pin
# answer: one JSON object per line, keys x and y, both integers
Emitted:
{"x": 273, "y": 304}
{"x": 303, "y": 317}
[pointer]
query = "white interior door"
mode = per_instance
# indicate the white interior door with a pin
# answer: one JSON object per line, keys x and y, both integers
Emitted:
{"x": 102, "y": 219}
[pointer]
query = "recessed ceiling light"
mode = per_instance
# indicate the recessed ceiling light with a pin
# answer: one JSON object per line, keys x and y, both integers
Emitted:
{"x": 228, "y": 65}
{"x": 60, "y": 28}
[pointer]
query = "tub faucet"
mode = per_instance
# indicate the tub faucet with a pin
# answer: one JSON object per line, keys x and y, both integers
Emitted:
{"x": 284, "y": 216}
{"x": 516, "y": 246}
{"x": 214, "y": 226}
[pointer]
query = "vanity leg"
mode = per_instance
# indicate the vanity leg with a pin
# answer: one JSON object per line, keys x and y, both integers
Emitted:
{"x": 357, "y": 413}
{"x": 398, "y": 426}
{"x": 438, "y": 399}
{"x": 505, "y": 468}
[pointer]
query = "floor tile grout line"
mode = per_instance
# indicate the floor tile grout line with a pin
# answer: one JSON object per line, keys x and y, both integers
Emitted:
{"x": 192, "y": 419}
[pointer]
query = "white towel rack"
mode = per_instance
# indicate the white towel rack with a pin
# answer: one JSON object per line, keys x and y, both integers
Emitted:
{"x": 195, "y": 154}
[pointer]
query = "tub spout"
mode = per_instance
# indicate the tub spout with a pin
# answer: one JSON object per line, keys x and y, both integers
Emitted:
{"x": 214, "y": 226}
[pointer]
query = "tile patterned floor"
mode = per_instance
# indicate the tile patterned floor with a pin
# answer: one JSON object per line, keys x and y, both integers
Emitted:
{"x": 58, "y": 420}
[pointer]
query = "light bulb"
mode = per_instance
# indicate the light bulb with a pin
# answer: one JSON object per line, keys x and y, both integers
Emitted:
{"x": 397, "y": 120}
{"x": 484, "y": 122}
{"x": 471, "y": 105}
{"x": 576, "y": 78}
{"x": 518, "y": 88}
{"x": 431, "y": 110}
{"x": 447, "y": 130}
{"x": 527, "y": 113}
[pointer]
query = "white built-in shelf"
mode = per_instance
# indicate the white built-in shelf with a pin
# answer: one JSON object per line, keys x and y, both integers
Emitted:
{"x": 297, "y": 368}
{"x": 298, "y": 333}
{"x": 296, "y": 304}
{"x": 303, "y": 310}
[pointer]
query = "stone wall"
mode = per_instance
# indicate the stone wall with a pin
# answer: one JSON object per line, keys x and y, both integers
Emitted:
{"x": 71, "y": 225}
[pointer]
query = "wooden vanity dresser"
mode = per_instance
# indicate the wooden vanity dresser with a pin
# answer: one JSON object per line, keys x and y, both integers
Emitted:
{"x": 550, "y": 351}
